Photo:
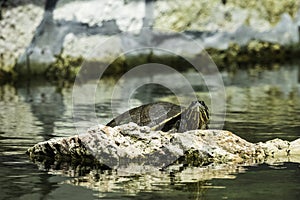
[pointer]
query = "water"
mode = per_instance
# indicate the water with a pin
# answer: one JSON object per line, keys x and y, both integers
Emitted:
{"x": 261, "y": 105}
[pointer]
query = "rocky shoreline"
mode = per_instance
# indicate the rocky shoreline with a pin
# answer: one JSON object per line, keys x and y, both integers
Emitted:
{"x": 50, "y": 38}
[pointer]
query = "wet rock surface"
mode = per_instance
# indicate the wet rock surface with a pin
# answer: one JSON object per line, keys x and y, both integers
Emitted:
{"x": 133, "y": 148}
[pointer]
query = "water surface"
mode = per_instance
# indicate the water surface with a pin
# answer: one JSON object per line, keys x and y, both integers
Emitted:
{"x": 261, "y": 105}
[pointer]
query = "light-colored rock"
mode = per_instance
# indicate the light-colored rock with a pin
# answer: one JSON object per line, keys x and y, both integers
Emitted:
{"x": 285, "y": 32}
{"x": 155, "y": 158}
{"x": 90, "y": 47}
{"x": 294, "y": 148}
{"x": 75, "y": 27}
{"x": 213, "y": 16}
{"x": 17, "y": 29}
{"x": 121, "y": 146}
{"x": 128, "y": 15}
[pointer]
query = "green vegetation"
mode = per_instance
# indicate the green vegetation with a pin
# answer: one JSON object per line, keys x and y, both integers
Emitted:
{"x": 65, "y": 69}
{"x": 255, "y": 52}
{"x": 269, "y": 10}
{"x": 204, "y": 15}
{"x": 5, "y": 76}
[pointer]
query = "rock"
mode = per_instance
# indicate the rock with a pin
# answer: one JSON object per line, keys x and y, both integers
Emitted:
{"x": 33, "y": 38}
{"x": 89, "y": 47}
{"x": 294, "y": 151}
{"x": 285, "y": 32}
{"x": 120, "y": 11}
{"x": 130, "y": 145}
{"x": 18, "y": 25}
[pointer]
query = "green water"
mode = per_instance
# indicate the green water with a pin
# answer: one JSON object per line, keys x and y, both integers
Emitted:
{"x": 261, "y": 105}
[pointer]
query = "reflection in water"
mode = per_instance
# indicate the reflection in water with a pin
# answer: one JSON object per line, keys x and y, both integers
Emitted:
{"x": 46, "y": 103}
{"x": 260, "y": 182}
{"x": 264, "y": 106}
{"x": 260, "y": 106}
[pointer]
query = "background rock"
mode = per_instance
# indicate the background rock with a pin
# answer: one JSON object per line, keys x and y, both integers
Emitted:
{"x": 35, "y": 36}
{"x": 17, "y": 26}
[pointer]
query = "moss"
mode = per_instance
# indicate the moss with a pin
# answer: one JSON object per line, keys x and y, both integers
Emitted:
{"x": 194, "y": 158}
{"x": 254, "y": 52}
{"x": 65, "y": 68}
{"x": 270, "y": 10}
{"x": 196, "y": 15}
{"x": 184, "y": 15}
{"x": 6, "y": 77}
{"x": 3, "y": 76}
{"x": 124, "y": 64}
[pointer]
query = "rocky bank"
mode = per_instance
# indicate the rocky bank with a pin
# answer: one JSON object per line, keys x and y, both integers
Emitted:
{"x": 53, "y": 37}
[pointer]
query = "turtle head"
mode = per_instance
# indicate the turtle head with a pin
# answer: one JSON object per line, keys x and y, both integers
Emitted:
{"x": 198, "y": 105}
{"x": 197, "y": 115}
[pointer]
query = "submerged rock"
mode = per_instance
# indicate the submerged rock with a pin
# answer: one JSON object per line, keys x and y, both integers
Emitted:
{"x": 132, "y": 147}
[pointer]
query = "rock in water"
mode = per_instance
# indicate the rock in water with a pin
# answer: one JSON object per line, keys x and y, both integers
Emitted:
{"x": 130, "y": 143}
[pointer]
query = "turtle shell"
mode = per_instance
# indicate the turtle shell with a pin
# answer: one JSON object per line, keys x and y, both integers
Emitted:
{"x": 151, "y": 114}
{"x": 166, "y": 116}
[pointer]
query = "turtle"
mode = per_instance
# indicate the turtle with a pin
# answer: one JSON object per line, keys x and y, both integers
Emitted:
{"x": 167, "y": 117}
